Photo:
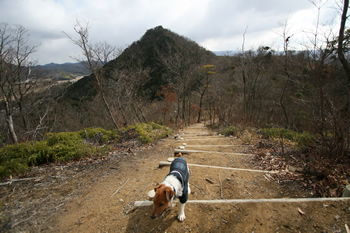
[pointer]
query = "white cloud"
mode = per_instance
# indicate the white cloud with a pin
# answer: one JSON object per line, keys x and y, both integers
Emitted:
{"x": 61, "y": 49}
{"x": 215, "y": 24}
{"x": 42, "y": 17}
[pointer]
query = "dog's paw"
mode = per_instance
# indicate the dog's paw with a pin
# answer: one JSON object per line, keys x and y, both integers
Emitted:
{"x": 181, "y": 217}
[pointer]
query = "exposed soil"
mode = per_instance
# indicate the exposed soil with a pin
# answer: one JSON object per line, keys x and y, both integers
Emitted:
{"x": 97, "y": 195}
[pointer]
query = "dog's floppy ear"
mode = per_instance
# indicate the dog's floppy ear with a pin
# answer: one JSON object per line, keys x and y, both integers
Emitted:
{"x": 158, "y": 186}
{"x": 169, "y": 193}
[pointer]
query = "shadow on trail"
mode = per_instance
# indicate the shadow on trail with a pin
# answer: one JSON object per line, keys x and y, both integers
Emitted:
{"x": 140, "y": 220}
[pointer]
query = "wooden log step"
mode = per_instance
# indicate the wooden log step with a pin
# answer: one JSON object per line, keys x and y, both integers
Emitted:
{"x": 201, "y": 139}
{"x": 212, "y": 152}
{"x": 243, "y": 201}
{"x": 164, "y": 163}
{"x": 218, "y": 145}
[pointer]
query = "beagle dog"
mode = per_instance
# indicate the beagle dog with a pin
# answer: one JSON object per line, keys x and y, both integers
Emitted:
{"x": 174, "y": 185}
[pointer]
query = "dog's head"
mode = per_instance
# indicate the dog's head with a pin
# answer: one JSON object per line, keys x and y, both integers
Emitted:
{"x": 162, "y": 199}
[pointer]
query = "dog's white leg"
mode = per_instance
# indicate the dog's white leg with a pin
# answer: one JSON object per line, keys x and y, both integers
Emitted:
{"x": 189, "y": 189}
{"x": 181, "y": 216}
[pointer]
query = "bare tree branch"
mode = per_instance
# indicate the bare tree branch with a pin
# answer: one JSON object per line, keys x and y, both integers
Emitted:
{"x": 94, "y": 57}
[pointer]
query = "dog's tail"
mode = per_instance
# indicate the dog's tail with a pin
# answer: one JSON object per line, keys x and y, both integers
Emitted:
{"x": 179, "y": 154}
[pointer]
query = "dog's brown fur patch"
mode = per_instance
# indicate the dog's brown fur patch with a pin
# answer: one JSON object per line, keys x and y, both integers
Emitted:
{"x": 162, "y": 199}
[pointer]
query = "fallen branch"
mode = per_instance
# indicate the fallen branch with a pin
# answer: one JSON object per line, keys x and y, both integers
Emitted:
{"x": 268, "y": 177}
{"x": 210, "y": 181}
{"x": 120, "y": 187}
{"x": 22, "y": 221}
{"x": 57, "y": 207}
{"x": 23, "y": 179}
{"x": 197, "y": 186}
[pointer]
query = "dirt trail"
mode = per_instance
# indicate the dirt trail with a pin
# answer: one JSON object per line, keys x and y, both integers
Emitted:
{"x": 86, "y": 202}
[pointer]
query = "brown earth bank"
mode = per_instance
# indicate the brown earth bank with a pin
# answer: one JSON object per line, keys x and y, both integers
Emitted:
{"x": 98, "y": 194}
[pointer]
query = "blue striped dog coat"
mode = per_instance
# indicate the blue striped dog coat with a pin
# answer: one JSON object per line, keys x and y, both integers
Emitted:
{"x": 178, "y": 168}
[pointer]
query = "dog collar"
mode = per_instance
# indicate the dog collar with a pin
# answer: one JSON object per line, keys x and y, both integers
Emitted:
{"x": 173, "y": 187}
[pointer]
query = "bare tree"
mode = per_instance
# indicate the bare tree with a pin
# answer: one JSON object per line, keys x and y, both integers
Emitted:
{"x": 345, "y": 64}
{"x": 340, "y": 50}
{"x": 182, "y": 64}
{"x": 125, "y": 88}
{"x": 94, "y": 57}
{"x": 16, "y": 79}
{"x": 286, "y": 39}
{"x": 105, "y": 52}
{"x": 208, "y": 71}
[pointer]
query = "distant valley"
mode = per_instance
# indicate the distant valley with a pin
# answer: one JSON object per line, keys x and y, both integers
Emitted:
{"x": 69, "y": 70}
{"x": 61, "y": 72}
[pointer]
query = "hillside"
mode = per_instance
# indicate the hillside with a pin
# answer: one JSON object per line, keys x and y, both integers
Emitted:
{"x": 132, "y": 80}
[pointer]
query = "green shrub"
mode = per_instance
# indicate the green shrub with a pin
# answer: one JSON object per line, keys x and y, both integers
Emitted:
{"x": 90, "y": 133}
{"x": 231, "y": 130}
{"x": 147, "y": 133}
{"x": 155, "y": 125}
{"x": 56, "y": 147}
{"x": 303, "y": 140}
{"x": 144, "y": 131}
{"x": 66, "y": 146}
{"x": 38, "y": 153}
{"x": 11, "y": 166}
{"x": 278, "y": 133}
{"x": 8, "y": 152}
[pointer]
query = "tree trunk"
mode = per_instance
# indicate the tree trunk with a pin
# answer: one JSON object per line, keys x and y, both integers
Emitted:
{"x": 244, "y": 96}
{"x": 109, "y": 110}
{"x": 199, "y": 110}
{"x": 282, "y": 104}
{"x": 184, "y": 109}
{"x": 340, "y": 51}
{"x": 344, "y": 62}
{"x": 143, "y": 116}
{"x": 136, "y": 114}
{"x": 200, "y": 106}
{"x": 9, "y": 121}
{"x": 121, "y": 110}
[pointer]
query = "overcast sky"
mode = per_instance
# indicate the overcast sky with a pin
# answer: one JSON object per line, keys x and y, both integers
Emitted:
{"x": 217, "y": 25}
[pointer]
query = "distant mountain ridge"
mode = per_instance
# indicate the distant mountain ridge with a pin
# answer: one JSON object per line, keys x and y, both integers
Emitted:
{"x": 226, "y": 52}
{"x": 59, "y": 71}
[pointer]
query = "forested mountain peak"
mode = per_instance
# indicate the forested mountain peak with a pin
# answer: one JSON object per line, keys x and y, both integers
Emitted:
{"x": 156, "y": 59}
{"x": 162, "y": 55}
